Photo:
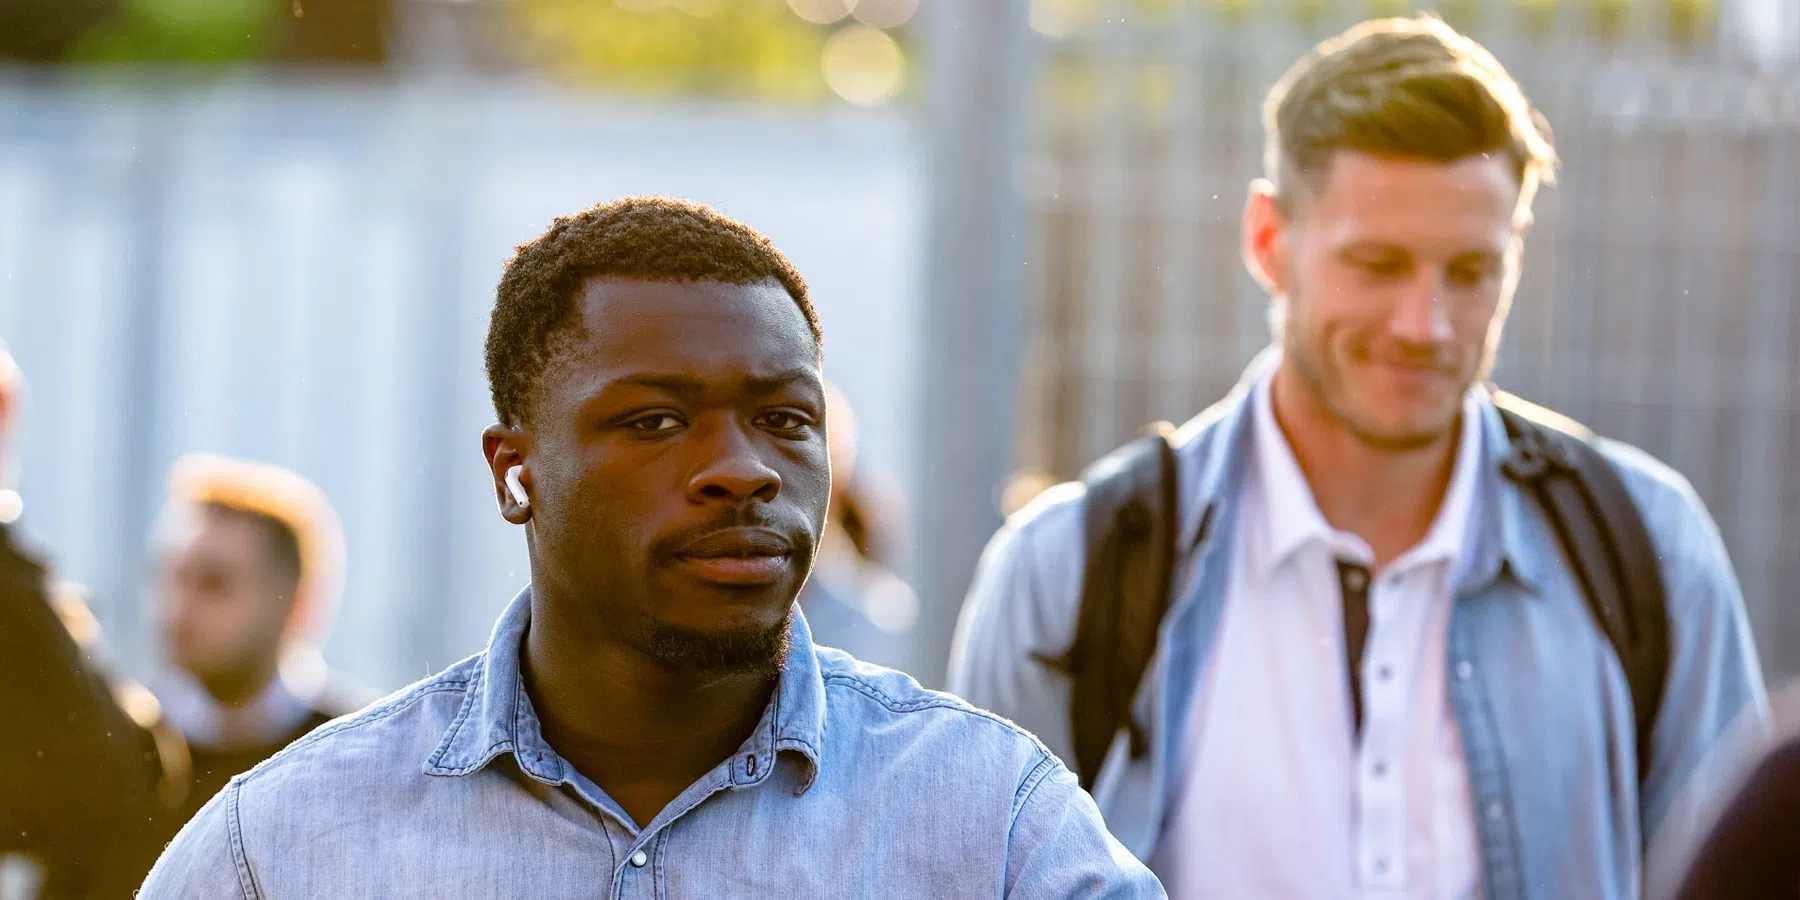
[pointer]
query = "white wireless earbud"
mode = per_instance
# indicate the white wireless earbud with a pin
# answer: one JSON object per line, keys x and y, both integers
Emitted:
{"x": 517, "y": 489}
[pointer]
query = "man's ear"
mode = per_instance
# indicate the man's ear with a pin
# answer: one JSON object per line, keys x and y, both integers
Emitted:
{"x": 506, "y": 448}
{"x": 1266, "y": 239}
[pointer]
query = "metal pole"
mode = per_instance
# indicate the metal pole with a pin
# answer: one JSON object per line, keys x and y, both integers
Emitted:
{"x": 979, "y": 87}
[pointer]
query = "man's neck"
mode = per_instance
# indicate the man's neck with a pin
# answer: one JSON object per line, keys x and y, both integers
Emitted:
{"x": 639, "y": 730}
{"x": 239, "y": 689}
{"x": 1389, "y": 498}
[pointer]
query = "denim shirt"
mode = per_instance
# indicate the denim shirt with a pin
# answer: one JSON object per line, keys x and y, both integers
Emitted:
{"x": 1538, "y": 695}
{"x": 856, "y": 783}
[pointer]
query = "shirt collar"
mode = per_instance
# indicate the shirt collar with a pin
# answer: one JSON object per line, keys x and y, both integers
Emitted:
{"x": 1505, "y": 511}
{"x": 1289, "y": 517}
{"x": 497, "y": 716}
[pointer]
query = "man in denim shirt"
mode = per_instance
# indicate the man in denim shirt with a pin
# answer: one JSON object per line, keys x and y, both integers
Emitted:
{"x": 1378, "y": 676}
{"x": 651, "y": 718}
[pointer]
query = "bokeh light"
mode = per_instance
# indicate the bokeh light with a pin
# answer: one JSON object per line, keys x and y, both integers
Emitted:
{"x": 821, "y": 12}
{"x": 884, "y": 13}
{"x": 1052, "y": 18}
{"x": 863, "y": 65}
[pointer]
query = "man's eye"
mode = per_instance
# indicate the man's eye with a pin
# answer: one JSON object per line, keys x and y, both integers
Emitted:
{"x": 656, "y": 424}
{"x": 1468, "y": 276}
{"x": 782, "y": 421}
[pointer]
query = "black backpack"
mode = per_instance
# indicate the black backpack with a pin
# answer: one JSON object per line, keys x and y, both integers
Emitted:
{"x": 1131, "y": 529}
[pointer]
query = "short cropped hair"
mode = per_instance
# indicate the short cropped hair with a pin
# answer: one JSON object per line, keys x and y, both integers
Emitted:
{"x": 306, "y": 542}
{"x": 1406, "y": 87}
{"x": 641, "y": 238}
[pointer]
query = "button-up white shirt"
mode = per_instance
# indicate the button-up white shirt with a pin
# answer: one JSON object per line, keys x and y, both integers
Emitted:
{"x": 1278, "y": 798}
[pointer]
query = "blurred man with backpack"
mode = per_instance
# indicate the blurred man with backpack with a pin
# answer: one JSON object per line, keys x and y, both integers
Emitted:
{"x": 1367, "y": 628}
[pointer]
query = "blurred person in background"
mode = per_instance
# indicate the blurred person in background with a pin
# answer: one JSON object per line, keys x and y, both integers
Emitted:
{"x": 250, "y": 562}
{"x": 1377, "y": 672}
{"x": 852, "y": 600}
{"x": 82, "y": 751}
{"x": 651, "y": 716}
{"x": 1753, "y": 850}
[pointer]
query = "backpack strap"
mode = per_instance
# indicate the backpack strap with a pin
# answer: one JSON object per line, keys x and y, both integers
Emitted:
{"x": 1607, "y": 545}
{"x": 1129, "y": 525}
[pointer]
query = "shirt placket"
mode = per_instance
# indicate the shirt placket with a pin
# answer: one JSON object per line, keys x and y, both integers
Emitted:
{"x": 639, "y": 869}
{"x": 1381, "y": 857}
{"x": 639, "y": 872}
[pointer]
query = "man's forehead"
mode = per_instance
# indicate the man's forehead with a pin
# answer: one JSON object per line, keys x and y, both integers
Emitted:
{"x": 1353, "y": 179}
{"x": 1365, "y": 197}
{"x": 604, "y": 303}
{"x": 189, "y": 528}
{"x": 687, "y": 334}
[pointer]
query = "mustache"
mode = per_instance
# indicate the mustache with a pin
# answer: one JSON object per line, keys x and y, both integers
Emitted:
{"x": 740, "y": 531}
{"x": 1443, "y": 357}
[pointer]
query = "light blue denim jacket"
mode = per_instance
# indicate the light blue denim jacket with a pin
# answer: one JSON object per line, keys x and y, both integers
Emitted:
{"x": 1538, "y": 694}
{"x": 856, "y": 783}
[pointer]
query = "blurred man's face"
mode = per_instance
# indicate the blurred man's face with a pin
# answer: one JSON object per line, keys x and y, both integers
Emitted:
{"x": 678, "y": 469}
{"x": 224, "y": 604}
{"x": 1392, "y": 284}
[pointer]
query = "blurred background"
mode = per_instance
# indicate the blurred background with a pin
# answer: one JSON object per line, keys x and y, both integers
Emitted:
{"x": 271, "y": 228}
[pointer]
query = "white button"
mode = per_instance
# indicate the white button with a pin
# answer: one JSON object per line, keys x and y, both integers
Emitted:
{"x": 1465, "y": 670}
{"x": 1354, "y": 579}
{"x": 1494, "y": 812}
{"x": 640, "y": 858}
{"x": 1384, "y": 673}
{"x": 1380, "y": 769}
{"x": 1381, "y": 867}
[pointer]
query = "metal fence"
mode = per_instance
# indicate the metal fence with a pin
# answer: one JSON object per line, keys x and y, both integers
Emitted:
{"x": 1662, "y": 280}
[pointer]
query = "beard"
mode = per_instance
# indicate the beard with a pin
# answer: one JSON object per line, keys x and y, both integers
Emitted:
{"x": 731, "y": 651}
{"x": 1325, "y": 377}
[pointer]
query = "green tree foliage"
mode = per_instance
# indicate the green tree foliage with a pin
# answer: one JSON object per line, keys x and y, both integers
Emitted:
{"x": 180, "y": 31}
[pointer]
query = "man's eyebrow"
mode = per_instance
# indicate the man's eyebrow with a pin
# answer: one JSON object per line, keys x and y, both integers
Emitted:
{"x": 1369, "y": 247}
{"x": 687, "y": 384}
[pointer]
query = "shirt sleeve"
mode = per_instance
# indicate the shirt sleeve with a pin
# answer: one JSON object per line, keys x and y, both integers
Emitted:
{"x": 1714, "y": 719}
{"x": 205, "y": 861}
{"x": 1059, "y": 848}
{"x": 1023, "y": 603}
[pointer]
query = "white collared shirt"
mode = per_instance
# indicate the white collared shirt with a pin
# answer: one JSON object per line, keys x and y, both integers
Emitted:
{"x": 270, "y": 716}
{"x": 1278, "y": 799}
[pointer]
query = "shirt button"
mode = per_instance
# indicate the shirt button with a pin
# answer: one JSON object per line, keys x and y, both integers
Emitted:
{"x": 640, "y": 858}
{"x": 1384, "y": 673}
{"x": 1381, "y": 867}
{"x": 1380, "y": 769}
{"x": 1465, "y": 670}
{"x": 1354, "y": 579}
{"x": 1495, "y": 812}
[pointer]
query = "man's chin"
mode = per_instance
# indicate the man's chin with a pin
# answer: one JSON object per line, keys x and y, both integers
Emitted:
{"x": 745, "y": 646}
{"x": 1401, "y": 434}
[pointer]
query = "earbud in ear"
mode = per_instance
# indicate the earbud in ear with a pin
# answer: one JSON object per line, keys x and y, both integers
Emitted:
{"x": 514, "y": 487}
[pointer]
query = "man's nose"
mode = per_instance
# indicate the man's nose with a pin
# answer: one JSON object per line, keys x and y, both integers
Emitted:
{"x": 734, "y": 471}
{"x": 1420, "y": 317}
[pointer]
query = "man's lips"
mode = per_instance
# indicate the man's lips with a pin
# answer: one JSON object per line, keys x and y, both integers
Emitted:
{"x": 738, "y": 556}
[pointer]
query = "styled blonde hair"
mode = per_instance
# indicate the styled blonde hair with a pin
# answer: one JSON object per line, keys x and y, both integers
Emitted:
{"x": 1406, "y": 87}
